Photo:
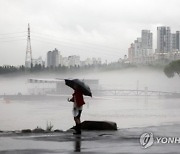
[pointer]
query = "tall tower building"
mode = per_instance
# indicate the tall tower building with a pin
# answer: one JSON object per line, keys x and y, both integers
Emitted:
{"x": 141, "y": 48}
{"x": 178, "y": 40}
{"x": 164, "y": 40}
{"x": 28, "y": 60}
{"x": 147, "y": 42}
{"x": 49, "y": 59}
{"x": 53, "y": 58}
{"x": 173, "y": 42}
{"x": 138, "y": 47}
{"x": 131, "y": 52}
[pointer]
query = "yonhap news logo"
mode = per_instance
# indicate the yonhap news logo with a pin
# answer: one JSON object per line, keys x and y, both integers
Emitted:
{"x": 148, "y": 139}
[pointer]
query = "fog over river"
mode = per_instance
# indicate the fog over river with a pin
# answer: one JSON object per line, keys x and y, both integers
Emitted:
{"x": 127, "y": 111}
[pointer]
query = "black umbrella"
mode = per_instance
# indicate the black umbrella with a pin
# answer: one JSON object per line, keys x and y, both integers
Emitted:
{"x": 81, "y": 85}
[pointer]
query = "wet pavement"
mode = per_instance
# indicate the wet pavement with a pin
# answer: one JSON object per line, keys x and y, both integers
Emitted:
{"x": 121, "y": 141}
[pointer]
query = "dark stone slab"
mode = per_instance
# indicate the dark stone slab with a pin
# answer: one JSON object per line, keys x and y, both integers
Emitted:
{"x": 98, "y": 125}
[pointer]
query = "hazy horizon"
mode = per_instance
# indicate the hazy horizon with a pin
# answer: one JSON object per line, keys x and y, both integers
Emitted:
{"x": 88, "y": 28}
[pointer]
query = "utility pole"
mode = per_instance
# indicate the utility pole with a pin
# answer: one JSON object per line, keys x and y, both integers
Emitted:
{"x": 28, "y": 60}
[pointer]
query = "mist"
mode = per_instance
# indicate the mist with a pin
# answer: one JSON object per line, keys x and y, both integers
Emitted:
{"x": 127, "y": 79}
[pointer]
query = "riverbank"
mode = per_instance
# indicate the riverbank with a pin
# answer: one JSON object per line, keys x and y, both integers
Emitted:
{"x": 121, "y": 141}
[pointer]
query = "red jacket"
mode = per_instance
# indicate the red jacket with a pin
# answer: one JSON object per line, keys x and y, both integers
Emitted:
{"x": 78, "y": 98}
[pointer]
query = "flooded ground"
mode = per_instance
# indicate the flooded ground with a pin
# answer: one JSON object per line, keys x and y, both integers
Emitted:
{"x": 127, "y": 112}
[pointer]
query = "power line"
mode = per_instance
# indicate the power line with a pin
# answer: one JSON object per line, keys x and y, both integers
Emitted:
{"x": 80, "y": 49}
{"x": 72, "y": 45}
{"x": 1, "y": 38}
{"x": 12, "y": 33}
{"x": 79, "y": 42}
{"x": 65, "y": 41}
{"x": 11, "y": 40}
{"x": 10, "y": 37}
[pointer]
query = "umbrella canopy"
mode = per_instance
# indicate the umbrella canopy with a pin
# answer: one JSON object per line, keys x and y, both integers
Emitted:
{"x": 74, "y": 83}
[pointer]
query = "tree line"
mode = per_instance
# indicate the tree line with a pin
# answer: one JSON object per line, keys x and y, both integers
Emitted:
{"x": 41, "y": 68}
{"x": 11, "y": 69}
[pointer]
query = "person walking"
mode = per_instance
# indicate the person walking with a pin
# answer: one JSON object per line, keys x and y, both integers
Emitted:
{"x": 78, "y": 102}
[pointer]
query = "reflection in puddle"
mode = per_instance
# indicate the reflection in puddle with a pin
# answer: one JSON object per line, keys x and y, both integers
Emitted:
{"x": 77, "y": 143}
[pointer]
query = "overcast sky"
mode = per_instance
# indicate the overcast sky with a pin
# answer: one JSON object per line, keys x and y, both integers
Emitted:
{"x": 88, "y": 28}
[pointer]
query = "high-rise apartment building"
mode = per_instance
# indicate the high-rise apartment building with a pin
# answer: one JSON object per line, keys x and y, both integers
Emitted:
{"x": 164, "y": 43}
{"x": 131, "y": 53}
{"x": 53, "y": 58}
{"x": 146, "y": 37}
{"x": 173, "y": 42}
{"x": 178, "y": 40}
{"x": 141, "y": 48}
{"x": 138, "y": 47}
{"x": 146, "y": 42}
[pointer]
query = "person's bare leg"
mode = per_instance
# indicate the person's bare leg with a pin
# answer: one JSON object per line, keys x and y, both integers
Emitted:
{"x": 77, "y": 120}
{"x": 78, "y": 125}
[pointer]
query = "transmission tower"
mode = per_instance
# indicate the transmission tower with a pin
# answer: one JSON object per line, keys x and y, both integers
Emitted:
{"x": 28, "y": 61}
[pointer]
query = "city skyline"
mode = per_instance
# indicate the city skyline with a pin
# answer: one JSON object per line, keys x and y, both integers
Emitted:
{"x": 55, "y": 59}
{"x": 85, "y": 28}
{"x": 167, "y": 49}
